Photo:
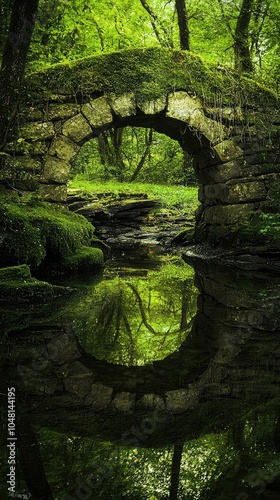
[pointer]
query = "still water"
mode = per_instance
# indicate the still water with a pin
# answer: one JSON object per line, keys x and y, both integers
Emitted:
{"x": 155, "y": 380}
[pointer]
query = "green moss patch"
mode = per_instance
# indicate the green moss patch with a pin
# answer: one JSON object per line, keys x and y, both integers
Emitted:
{"x": 36, "y": 233}
{"x": 84, "y": 259}
{"x": 149, "y": 74}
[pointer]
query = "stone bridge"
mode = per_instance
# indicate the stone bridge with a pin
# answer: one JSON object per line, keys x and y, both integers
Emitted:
{"x": 229, "y": 125}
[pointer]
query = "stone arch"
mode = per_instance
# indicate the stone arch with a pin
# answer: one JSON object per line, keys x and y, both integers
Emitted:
{"x": 234, "y": 149}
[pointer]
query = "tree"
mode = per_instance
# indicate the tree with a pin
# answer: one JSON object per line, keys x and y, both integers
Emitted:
{"x": 13, "y": 62}
{"x": 183, "y": 24}
{"x": 160, "y": 30}
{"x": 242, "y": 55}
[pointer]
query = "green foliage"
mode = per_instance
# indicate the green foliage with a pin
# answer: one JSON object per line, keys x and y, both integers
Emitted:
{"x": 164, "y": 158}
{"x": 272, "y": 203}
{"x": 263, "y": 229}
{"x": 33, "y": 232}
{"x": 69, "y": 30}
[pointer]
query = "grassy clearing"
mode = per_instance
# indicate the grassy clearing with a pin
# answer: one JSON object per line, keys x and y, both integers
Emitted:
{"x": 178, "y": 197}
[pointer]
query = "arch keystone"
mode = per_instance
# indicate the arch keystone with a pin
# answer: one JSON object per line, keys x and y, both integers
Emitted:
{"x": 124, "y": 105}
{"x": 153, "y": 107}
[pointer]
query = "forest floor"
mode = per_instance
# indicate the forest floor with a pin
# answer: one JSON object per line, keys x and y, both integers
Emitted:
{"x": 130, "y": 215}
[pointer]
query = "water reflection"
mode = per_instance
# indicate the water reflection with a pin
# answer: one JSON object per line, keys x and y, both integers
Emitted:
{"x": 123, "y": 393}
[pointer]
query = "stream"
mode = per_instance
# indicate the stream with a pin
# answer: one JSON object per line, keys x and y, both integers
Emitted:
{"x": 156, "y": 379}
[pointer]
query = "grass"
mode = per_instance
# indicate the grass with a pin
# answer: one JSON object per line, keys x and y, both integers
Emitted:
{"x": 179, "y": 197}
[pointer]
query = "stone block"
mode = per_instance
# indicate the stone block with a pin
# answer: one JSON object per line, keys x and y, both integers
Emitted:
{"x": 24, "y": 163}
{"x": 80, "y": 387}
{"x": 228, "y": 214}
{"x": 220, "y": 173}
{"x": 37, "y": 131}
{"x": 124, "y": 401}
{"x": 63, "y": 148}
{"x": 151, "y": 402}
{"x": 34, "y": 115}
{"x": 61, "y": 111}
{"x": 228, "y": 151}
{"x": 124, "y": 105}
{"x": 55, "y": 170}
{"x": 177, "y": 401}
{"x": 98, "y": 113}
{"x": 182, "y": 107}
{"x": 77, "y": 128}
{"x": 245, "y": 192}
{"x": 153, "y": 107}
{"x": 189, "y": 110}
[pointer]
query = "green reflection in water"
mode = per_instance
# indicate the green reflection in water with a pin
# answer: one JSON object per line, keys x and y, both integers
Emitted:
{"x": 138, "y": 317}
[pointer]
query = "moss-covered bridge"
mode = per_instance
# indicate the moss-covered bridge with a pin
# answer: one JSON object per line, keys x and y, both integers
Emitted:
{"x": 229, "y": 125}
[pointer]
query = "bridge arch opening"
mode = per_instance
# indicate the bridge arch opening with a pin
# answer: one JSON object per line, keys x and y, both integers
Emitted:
{"x": 133, "y": 154}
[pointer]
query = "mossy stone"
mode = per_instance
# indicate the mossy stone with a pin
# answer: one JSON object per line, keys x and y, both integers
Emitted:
{"x": 84, "y": 260}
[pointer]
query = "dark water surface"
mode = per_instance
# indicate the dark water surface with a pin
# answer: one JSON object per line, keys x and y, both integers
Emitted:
{"x": 152, "y": 381}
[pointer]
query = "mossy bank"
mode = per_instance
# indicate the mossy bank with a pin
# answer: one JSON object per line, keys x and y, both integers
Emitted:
{"x": 46, "y": 236}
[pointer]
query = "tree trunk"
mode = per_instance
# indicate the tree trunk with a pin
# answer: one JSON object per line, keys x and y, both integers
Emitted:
{"x": 14, "y": 61}
{"x": 183, "y": 24}
{"x": 156, "y": 24}
{"x": 175, "y": 471}
{"x": 143, "y": 157}
{"x": 242, "y": 56}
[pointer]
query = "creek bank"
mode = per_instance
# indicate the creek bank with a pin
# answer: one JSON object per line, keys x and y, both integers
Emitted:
{"x": 131, "y": 220}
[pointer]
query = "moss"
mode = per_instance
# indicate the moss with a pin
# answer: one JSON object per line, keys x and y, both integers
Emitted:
{"x": 84, "y": 259}
{"x": 36, "y": 233}
{"x": 17, "y": 285}
{"x": 149, "y": 74}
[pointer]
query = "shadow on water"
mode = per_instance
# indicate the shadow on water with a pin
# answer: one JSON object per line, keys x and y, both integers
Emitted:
{"x": 158, "y": 382}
